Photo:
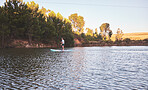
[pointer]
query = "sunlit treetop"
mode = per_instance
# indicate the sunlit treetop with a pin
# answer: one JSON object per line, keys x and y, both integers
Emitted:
{"x": 77, "y": 22}
{"x": 44, "y": 11}
{"x": 59, "y": 16}
{"x": 104, "y": 26}
{"x": 67, "y": 20}
{"x": 73, "y": 17}
{"x": 81, "y": 22}
{"x": 33, "y": 6}
{"x": 89, "y": 32}
{"x": 52, "y": 14}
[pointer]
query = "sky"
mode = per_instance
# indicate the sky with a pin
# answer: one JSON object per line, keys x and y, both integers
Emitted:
{"x": 129, "y": 15}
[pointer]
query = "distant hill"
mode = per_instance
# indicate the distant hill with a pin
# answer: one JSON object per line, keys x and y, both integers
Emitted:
{"x": 133, "y": 36}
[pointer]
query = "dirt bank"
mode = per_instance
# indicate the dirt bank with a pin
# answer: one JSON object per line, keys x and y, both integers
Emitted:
{"x": 115, "y": 43}
{"x": 78, "y": 43}
{"x": 25, "y": 44}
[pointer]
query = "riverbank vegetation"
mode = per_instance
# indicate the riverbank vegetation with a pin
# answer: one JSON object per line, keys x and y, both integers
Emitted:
{"x": 29, "y": 23}
{"x": 25, "y": 25}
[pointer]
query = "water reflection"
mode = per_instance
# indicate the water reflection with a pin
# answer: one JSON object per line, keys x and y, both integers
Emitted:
{"x": 83, "y": 68}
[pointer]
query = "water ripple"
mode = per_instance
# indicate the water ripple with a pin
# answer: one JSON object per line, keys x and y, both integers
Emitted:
{"x": 85, "y": 68}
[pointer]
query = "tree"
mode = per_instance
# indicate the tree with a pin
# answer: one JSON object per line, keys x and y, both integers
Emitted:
{"x": 119, "y": 34}
{"x": 110, "y": 34}
{"x": 52, "y": 15}
{"x": 12, "y": 9}
{"x": 33, "y": 6}
{"x": 4, "y": 29}
{"x": 59, "y": 16}
{"x": 44, "y": 11}
{"x": 48, "y": 31}
{"x": 89, "y": 32}
{"x": 67, "y": 33}
{"x": 25, "y": 21}
{"x": 77, "y": 23}
{"x": 62, "y": 28}
{"x": 96, "y": 33}
{"x": 105, "y": 31}
{"x": 33, "y": 26}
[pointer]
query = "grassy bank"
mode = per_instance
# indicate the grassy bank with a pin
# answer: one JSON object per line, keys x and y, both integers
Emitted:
{"x": 132, "y": 36}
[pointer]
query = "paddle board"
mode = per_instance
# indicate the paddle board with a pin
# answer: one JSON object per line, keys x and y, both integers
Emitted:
{"x": 58, "y": 50}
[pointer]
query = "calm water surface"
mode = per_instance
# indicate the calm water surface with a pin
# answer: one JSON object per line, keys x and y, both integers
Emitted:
{"x": 84, "y": 68}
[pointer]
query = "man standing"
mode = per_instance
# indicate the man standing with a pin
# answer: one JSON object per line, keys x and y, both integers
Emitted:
{"x": 62, "y": 43}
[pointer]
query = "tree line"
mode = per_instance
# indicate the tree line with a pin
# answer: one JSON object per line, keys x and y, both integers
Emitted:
{"x": 27, "y": 22}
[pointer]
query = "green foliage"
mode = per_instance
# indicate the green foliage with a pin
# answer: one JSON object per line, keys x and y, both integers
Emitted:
{"x": 4, "y": 29}
{"x": 25, "y": 21}
{"x": 99, "y": 36}
{"x": 89, "y": 38}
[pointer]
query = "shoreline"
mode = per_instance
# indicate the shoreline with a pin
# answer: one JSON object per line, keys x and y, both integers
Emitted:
{"x": 71, "y": 47}
{"x": 78, "y": 43}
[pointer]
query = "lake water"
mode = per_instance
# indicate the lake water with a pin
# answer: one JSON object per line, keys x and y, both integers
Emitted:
{"x": 84, "y": 68}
